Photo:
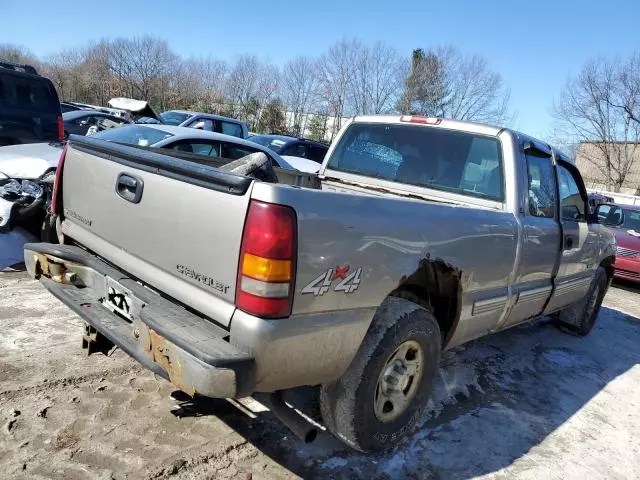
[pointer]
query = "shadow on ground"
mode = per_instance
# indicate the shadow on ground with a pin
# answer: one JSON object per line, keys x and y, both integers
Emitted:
{"x": 496, "y": 399}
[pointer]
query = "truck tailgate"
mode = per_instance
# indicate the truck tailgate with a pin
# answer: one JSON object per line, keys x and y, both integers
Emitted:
{"x": 181, "y": 236}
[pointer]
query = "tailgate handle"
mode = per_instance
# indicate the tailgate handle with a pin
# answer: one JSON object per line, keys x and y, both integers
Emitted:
{"x": 129, "y": 187}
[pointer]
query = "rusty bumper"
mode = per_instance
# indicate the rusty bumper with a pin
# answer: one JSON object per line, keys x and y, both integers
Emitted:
{"x": 191, "y": 352}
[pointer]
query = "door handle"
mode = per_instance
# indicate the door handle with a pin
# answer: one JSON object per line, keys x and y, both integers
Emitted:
{"x": 129, "y": 187}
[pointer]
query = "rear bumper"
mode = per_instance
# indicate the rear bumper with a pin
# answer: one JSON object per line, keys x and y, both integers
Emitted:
{"x": 193, "y": 352}
{"x": 189, "y": 351}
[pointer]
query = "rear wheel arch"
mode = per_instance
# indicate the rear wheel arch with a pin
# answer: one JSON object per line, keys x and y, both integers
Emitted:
{"x": 436, "y": 286}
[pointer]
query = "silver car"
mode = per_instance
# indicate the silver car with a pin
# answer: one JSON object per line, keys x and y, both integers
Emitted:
{"x": 190, "y": 140}
{"x": 205, "y": 121}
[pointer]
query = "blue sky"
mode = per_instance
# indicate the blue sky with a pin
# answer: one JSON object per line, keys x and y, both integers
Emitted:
{"x": 535, "y": 45}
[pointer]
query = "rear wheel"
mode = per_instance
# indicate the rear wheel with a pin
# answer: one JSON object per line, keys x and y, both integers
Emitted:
{"x": 383, "y": 392}
{"x": 579, "y": 318}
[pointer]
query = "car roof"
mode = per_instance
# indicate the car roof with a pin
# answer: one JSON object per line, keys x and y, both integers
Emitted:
{"x": 207, "y": 115}
{"x": 187, "y": 133}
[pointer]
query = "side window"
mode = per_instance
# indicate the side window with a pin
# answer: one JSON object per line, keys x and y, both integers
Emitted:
{"x": 202, "y": 124}
{"x": 199, "y": 148}
{"x": 542, "y": 186}
{"x": 572, "y": 202}
{"x": 295, "y": 150}
{"x": 16, "y": 92}
{"x": 234, "y": 152}
{"x": 316, "y": 153}
{"x": 230, "y": 128}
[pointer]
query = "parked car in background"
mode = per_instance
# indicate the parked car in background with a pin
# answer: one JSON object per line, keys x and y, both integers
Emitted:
{"x": 205, "y": 121}
{"x": 78, "y": 122}
{"x": 624, "y": 221}
{"x": 189, "y": 140}
{"x": 27, "y": 173}
{"x": 29, "y": 106}
{"x": 292, "y": 146}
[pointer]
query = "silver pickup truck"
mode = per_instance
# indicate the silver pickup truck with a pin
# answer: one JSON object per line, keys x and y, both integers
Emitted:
{"x": 422, "y": 234}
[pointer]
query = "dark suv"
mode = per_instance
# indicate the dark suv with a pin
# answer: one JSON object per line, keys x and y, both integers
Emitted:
{"x": 295, "y": 147}
{"x": 29, "y": 106}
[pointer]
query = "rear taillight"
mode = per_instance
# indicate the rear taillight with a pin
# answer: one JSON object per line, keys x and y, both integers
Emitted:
{"x": 266, "y": 272}
{"x": 60, "y": 129}
{"x": 56, "y": 198}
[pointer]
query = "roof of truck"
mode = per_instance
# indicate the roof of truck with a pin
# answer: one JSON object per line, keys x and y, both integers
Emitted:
{"x": 473, "y": 127}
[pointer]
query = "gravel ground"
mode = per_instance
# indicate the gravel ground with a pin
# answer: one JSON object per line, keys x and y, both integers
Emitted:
{"x": 530, "y": 402}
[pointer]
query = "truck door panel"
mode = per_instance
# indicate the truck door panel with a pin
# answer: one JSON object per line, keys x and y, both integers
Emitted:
{"x": 579, "y": 243}
{"x": 541, "y": 240}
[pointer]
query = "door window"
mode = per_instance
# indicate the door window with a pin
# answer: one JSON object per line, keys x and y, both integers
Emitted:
{"x": 234, "y": 152}
{"x": 542, "y": 186}
{"x": 295, "y": 150}
{"x": 231, "y": 128}
{"x": 202, "y": 124}
{"x": 572, "y": 202}
{"x": 206, "y": 149}
{"x": 316, "y": 153}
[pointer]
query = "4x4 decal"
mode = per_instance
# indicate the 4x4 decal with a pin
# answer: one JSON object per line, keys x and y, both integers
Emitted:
{"x": 349, "y": 282}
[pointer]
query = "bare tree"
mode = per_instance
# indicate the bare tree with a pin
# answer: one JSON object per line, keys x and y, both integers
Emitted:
{"x": 335, "y": 77}
{"x": 17, "y": 54}
{"x": 597, "y": 109}
{"x": 376, "y": 79}
{"x": 445, "y": 83}
{"x": 299, "y": 84}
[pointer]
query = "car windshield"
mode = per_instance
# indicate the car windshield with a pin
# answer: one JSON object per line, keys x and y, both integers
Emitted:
{"x": 133, "y": 135}
{"x": 437, "y": 158}
{"x": 272, "y": 143}
{"x": 631, "y": 220}
{"x": 174, "y": 118}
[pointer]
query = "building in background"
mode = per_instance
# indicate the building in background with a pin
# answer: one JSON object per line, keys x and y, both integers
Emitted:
{"x": 610, "y": 166}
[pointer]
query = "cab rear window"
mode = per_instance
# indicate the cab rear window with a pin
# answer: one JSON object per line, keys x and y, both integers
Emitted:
{"x": 447, "y": 160}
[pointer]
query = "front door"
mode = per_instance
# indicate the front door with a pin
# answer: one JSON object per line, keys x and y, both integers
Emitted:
{"x": 579, "y": 244}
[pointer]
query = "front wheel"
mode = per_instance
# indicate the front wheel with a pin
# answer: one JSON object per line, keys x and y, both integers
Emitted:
{"x": 383, "y": 392}
{"x": 578, "y": 319}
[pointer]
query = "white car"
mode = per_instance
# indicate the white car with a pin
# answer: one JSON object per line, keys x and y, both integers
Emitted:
{"x": 26, "y": 175}
{"x": 21, "y": 168}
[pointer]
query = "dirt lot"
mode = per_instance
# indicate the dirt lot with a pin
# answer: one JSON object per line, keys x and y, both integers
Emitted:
{"x": 528, "y": 403}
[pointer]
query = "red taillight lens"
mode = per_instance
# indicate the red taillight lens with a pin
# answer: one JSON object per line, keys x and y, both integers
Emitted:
{"x": 56, "y": 198}
{"x": 267, "y": 261}
{"x": 60, "y": 129}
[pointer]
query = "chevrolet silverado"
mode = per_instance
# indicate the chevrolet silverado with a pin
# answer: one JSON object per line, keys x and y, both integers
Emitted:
{"x": 422, "y": 234}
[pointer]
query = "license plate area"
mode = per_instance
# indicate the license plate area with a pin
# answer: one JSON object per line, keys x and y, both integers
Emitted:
{"x": 118, "y": 299}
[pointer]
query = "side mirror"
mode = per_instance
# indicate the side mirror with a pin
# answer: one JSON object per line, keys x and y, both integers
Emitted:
{"x": 609, "y": 215}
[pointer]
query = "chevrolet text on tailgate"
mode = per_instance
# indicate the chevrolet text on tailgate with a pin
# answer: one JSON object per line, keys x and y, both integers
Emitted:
{"x": 423, "y": 234}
